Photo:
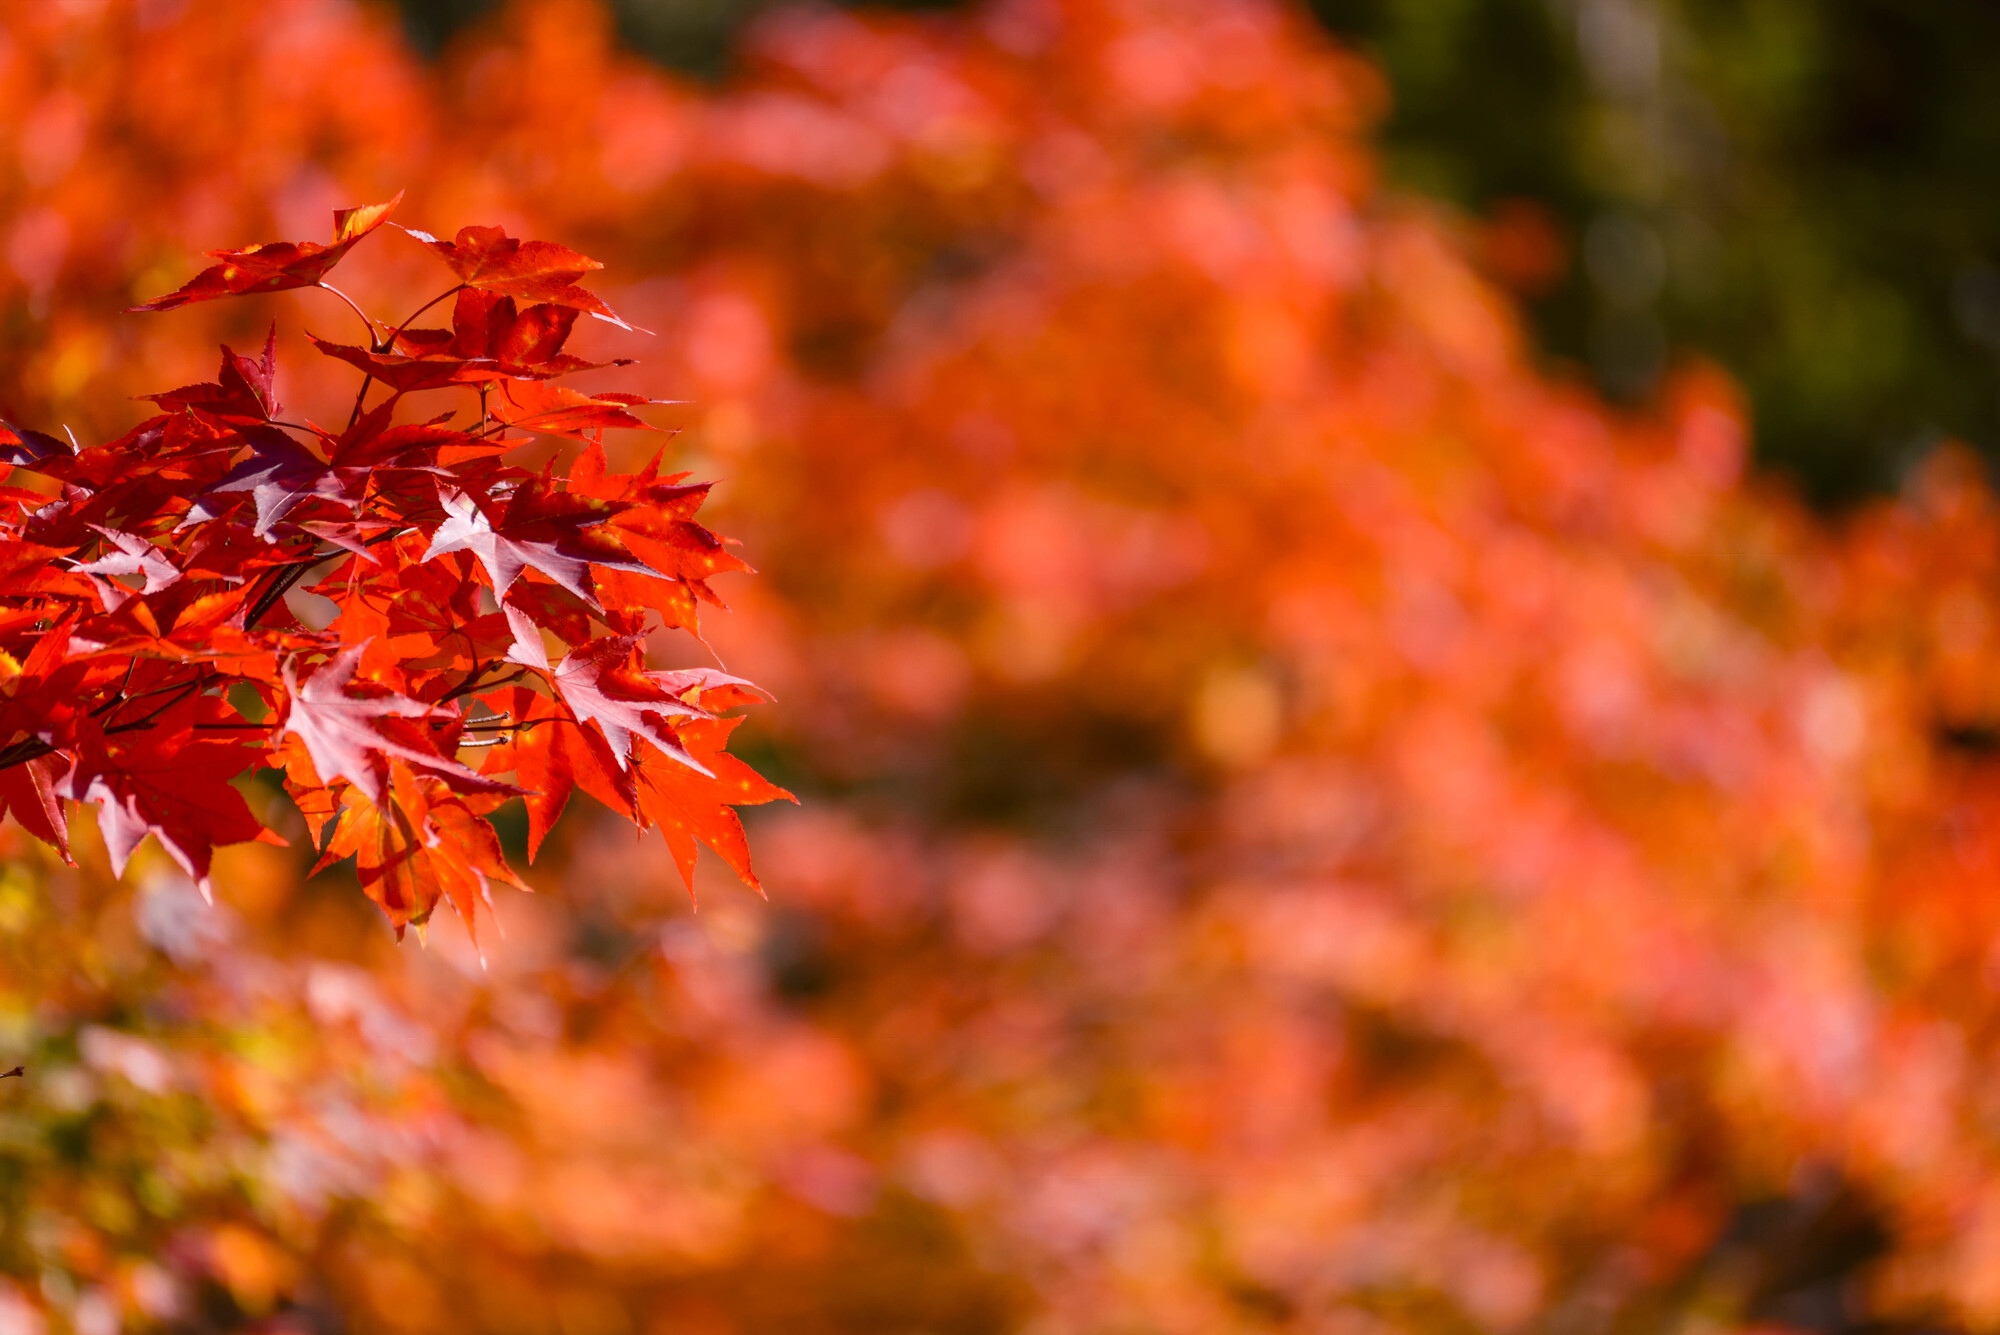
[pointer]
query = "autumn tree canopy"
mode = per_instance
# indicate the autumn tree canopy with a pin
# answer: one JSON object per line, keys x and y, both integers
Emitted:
{"x": 151, "y": 658}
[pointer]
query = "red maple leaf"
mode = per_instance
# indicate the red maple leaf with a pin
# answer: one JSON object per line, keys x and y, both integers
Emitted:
{"x": 426, "y": 845}
{"x": 540, "y": 272}
{"x": 130, "y": 555}
{"x": 343, "y": 725}
{"x": 276, "y": 265}
{"x": 541, "y": 529}
{"x": 403, "y": 372}
{"x": 29, "y": 794}
{"x": 171, "y": 782}
{"x": 243, "y": 390}
{"x": 524, "y": 342}
{"x": 692, "y": 802}
{"x": 279, "y": 473}
{"x": 557, "y": 410}
{"x": 551, "y": 754}
{"x": 600, "y": 685}
{"x": 489, "y": 340}
{"x": 147, "y": 580}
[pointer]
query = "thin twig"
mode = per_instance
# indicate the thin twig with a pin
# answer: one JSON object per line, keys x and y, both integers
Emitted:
{"x": 466, "y": 687}
{"x": 147, "y": 695}
{"x": 294, "y": 571}
{"x": 360, "y": 397}
{"x": 517, "y": 727}
{"x": 470, "y": 684}
{"x": 351, "y": 306}
{"x": 118, "y": 696}
{"x": 280, "y": 586}
{"x": 136, "y": 724}
{"x": 389, "y": 344}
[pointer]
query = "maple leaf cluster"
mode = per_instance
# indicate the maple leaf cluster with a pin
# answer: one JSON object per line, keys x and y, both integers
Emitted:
{"x": 488, "y": 638}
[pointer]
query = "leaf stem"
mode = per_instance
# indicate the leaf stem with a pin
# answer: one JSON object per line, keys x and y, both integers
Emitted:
{"x": 471, "y": 683}
{"x": 136, "y": 724}
{"x": 21, "y": 752}
{"x": 516, "y": 727}
{"x": 147, "y": 695}
{"x": 118, "y": 696}
{"x": 294, "y": 571}
{"x": 351, "y": 306}
{"x": 301, "y": 427}
{"x": 360, "y": 398}
{"x": 279, "y": 587}
{"x": 389, "y": 344}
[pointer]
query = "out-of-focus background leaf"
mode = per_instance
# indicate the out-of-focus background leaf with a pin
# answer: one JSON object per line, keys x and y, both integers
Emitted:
{"x": 1799, "y": 190}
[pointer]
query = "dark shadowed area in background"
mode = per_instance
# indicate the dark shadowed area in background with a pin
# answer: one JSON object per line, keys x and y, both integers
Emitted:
{"x": 1800, "y": 191}
{"x": 692, "y": 36}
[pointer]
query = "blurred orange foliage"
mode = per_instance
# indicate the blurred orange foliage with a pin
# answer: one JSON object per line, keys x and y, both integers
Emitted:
{"x": 1312, "y": 822}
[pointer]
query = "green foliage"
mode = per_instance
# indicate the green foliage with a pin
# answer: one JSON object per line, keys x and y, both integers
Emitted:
{"x": 1815, "y": 177}
{"x": 696, "y": 37}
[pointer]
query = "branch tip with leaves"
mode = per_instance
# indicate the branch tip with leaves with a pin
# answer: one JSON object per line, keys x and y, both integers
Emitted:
{"x": 149, "y": 656}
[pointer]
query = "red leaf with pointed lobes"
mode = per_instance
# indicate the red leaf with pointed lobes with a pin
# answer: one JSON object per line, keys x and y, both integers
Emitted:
{"x": 243, "y": 390}
{"x": 130, "y": 555}
{"x": 674, "y": 497}
{"x": 276, "y": 265}
{"x": 541, "y": 529}
{"x": 401, "y": 372}
{"x": 28, "y": 793}
{"x": 505, "y": 555}
{"x": 600, "y": 684}
{"x": 673, "y": 600}
{"x": 342, "y": 722}
{"x": 489, "y": 324}
{"x": 464, "y": 854}
{"x": 696, "y": 803}
{"x": 488, "y": 340}
{"x": 426, "y": 844}
{"x": 550, "y": 754}
{"x": 279, "y": 474}
{"x": 169, "y": 781}
{"x": 388, "y": 851}
{"x": 655, "y": 522}
{"x": 534, "y": 271}
{"x": 557, "y": 410}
